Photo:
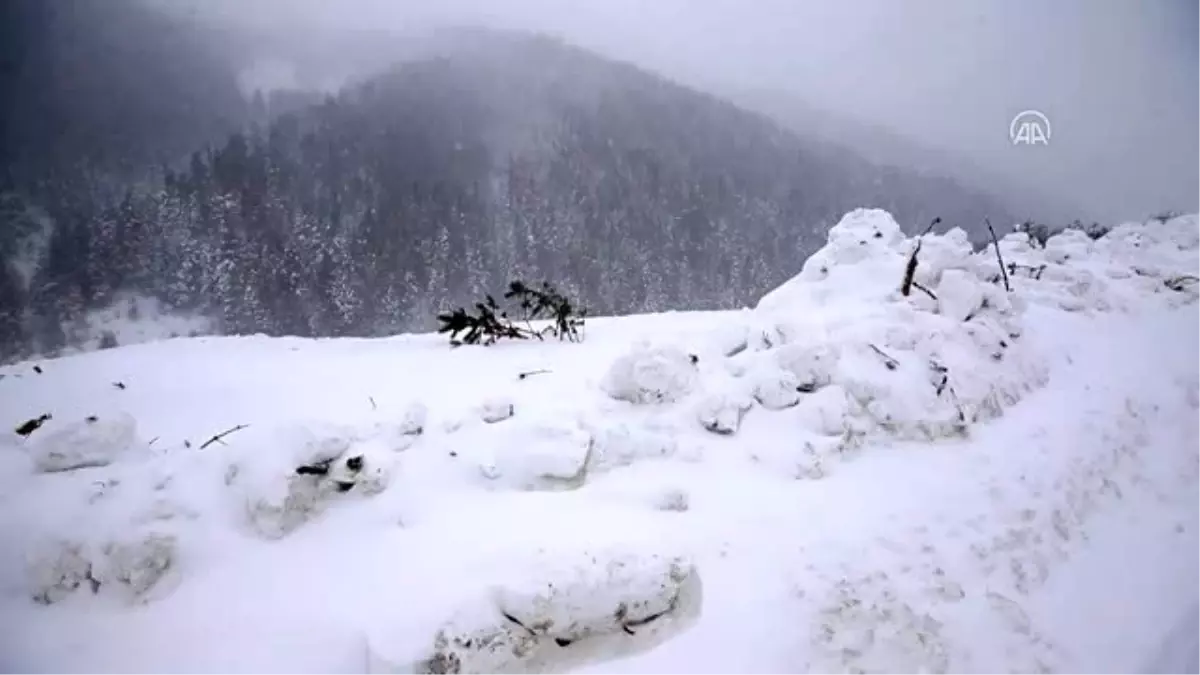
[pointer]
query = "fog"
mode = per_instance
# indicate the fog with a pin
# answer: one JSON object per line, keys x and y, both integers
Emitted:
{"x": 1116, "y": 78}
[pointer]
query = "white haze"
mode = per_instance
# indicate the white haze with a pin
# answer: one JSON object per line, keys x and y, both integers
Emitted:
{"x": 1117, "y": 78}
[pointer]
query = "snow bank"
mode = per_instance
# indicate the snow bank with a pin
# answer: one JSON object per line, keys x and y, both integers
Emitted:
{"x": 562, "y": 613}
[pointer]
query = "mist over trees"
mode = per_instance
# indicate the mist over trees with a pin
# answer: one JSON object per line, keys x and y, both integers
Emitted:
{"x": 508, "y": 156}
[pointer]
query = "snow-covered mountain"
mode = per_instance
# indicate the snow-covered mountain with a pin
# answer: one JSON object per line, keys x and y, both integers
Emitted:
{"x": 963, "y": 478}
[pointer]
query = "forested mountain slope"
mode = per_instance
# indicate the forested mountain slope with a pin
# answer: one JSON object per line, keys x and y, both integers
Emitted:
{"x": 505, "y": 155}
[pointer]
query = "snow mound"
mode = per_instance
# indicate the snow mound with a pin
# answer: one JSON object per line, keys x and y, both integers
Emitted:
{"x": 860, "y": 359}
{"x": 565, "y": 612}
{"x": 413, "y": 419}
{"x": 93, "y": 442}
{"x": 647, "y": 374}
{"x": 618, "y": 444}
{"x": 776, "y": 389}
{"x": 282, "y": 491}
{"x": 133, "y": 566}
{"x": 721, "y": 410}
{"x": 496, "y": 409}
{"x": 1130, "y": 266}
{"x": 540, "y": 455}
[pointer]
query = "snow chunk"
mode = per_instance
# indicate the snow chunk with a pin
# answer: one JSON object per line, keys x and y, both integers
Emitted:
{"x": 960, "y": 295}
{"x": 91, "y": 443}
{"x": 651, "y": 375}
{"x": 537, "y": 456}
{"x": 133, "y": 565}
{"x": 413, "y": 419}
{"x": 621, "y": 445}
{"x": 826, "y": 412}
{"x": 136, "y": 565}
{"x": 496, "y": 409}
{"x": 56, "y": 569}
{"x": 562, "y": 615}
{"x": 812, "y": 365}
{"x": 282, "y": 491}
{"x": 721, "y": 412}
{"x": 864, "y": 258}
{"x": 777, "y": 389}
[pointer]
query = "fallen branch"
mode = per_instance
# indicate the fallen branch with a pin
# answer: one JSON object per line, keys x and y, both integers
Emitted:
{"x": 531, "y": 373}
{"x": 30, "y": 426}
{"x": 909, "y": 270}
{"x": 517, "y": 621}
{"x": 999, "y": 258}
{"x": 888, "y": 361}
{"x": 924, "y": 290}
{"x": 223, "y": 434}
{"x": 1180, "y": 282}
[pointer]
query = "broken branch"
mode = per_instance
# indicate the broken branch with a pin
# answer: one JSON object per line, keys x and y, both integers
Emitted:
{"x": 888, "y": 361}
{"x": 999, "y": 258}
{"x": 217, "y": 438}
{"x": 910, "y": 270}
{"x": 924, "y": 290}
{"x": 531, "y": 373}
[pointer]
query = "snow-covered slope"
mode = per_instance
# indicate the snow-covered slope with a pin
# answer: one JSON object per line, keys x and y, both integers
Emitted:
{"x": 843, "y": 478}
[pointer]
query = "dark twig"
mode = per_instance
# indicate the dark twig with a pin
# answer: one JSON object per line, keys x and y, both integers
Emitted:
{"x": 30, "y": 426}
{"x": 629, "y": 625}
{"x": 531, "y": 373}
{"x": 887, "y": 360}
{"x": 1180, "y": 282}
{"x": 999, "y": 258}
{"x": 910, "y": 270}
{"x": 119, "y": 385}
{"x": 924, "y": 290}
{"x": 931, "y": 226}
{"x": 517, "y": 621}
{"x": 372, "y": 400}
{"x": 223, "y": 434}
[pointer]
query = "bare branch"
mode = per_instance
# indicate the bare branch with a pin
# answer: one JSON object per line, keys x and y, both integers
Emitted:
{"x": 999, "y": 258}
{"x": 223, "y": 434}
{"x": 887, "y": 360}
{"x": 910, "y": 270}
{"x": 531, "y": 373}
{"x": 924, "y": 290}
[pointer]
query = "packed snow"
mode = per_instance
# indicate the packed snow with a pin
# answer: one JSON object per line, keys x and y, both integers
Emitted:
{"x": 844, "y": 478}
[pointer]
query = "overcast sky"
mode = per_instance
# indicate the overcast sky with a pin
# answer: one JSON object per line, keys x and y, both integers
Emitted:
{"x": 1118, "y": 79}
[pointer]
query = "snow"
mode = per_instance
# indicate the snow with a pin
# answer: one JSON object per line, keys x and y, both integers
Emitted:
{"x": 134, "y": 319}
{"x": 843, "y": 478}
{"x": 91, "y": 442}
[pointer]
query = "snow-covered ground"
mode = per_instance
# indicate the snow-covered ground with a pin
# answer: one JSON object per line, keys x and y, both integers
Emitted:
{"x": 843, "y": 478}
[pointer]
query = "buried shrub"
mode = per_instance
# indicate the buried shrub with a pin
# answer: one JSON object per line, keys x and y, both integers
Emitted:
{"x": 491, "y": 323}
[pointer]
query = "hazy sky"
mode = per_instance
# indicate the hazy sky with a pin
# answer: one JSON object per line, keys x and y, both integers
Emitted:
{"x": 1118, "y": 79}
